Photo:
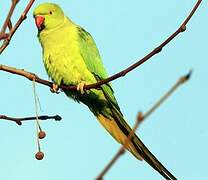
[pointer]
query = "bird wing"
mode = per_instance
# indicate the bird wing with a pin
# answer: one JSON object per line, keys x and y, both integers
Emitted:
{"x": 92, "y": 59}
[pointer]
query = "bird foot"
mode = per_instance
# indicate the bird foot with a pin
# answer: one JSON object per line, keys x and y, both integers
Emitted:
{"x": 54, "y": 88}
{"x": 80, "y": 87}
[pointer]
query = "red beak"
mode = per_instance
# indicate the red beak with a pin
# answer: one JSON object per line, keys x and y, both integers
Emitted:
{"x": 39, "y": 20}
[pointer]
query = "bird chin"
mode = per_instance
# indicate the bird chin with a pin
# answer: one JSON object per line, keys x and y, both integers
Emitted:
{"x": 42, "y": 27}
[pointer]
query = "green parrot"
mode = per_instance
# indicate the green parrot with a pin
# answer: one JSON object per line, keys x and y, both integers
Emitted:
{"x": 71, "y": 57}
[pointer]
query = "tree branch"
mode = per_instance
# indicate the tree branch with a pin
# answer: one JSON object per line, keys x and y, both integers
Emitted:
{"x": 158, "y": 49}
{"x": 4, "y": 36}
{"x": 8, "y": 23}
{"x": 32, "y": 76}
{"x": 140, "y": 118}
{"x": 19, "y": 120}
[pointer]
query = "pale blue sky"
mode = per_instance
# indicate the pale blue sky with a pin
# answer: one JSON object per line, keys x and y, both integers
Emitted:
{"x": 78, "y": 147}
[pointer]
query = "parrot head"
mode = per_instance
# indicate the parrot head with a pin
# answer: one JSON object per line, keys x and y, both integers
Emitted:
{"x": 48, "y": 16}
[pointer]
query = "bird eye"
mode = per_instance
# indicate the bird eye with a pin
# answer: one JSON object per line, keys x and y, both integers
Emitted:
{"x": 50, "y": 12}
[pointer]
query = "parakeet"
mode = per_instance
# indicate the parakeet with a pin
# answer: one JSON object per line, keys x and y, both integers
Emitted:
{"x": 70, "y": 57}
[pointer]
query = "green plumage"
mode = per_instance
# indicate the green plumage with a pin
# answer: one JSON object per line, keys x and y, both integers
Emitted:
{"x": 70, "y": 57}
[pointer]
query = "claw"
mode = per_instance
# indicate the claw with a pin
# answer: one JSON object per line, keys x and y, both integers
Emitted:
{"x": 80, "y": 87}
{"x": 54, "y": 88}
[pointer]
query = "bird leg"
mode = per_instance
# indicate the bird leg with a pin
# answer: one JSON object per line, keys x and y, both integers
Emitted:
{"x": 54, "y": 88}
{"x": 80, "y": 87}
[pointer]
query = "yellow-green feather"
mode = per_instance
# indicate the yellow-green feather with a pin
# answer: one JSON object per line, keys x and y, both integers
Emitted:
{"x": 62, "y": 58}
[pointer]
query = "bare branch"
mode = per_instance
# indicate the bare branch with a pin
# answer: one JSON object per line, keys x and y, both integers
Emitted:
{"x": 10, "y": 25}
{"x": 4, "y": 36}
{"x": 16, "y": 26}
{"x": 13, "y": 5}
{"x": 158, "y": 49}
{"x": 140, "y": 118}
{"x": 32, "y": 76}
{"x": 19, "y": 120}
{"x": 28, "y": 75}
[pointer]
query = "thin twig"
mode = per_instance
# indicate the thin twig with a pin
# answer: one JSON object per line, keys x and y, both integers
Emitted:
{"x": 140, "y": 118}
{"x": 4, "y": 36}
{"x": 10, "y": 25}
{"x": 19, "y": 120}
{"x": 16, "y": 26}
{"x": 28, "y": 75}
{"x": 7, "y": 21}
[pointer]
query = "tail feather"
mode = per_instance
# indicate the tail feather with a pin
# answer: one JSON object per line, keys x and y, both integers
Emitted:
{"x": 111, "y": 126}
{"x": 120, "y": 130}
{"x": 112, "y": 119}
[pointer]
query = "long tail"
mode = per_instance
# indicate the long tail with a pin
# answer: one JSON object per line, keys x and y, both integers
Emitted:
{"x": 119, "y": 129}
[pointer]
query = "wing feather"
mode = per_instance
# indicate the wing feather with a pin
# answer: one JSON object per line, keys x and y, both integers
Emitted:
{"x": 93, "y": 61}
